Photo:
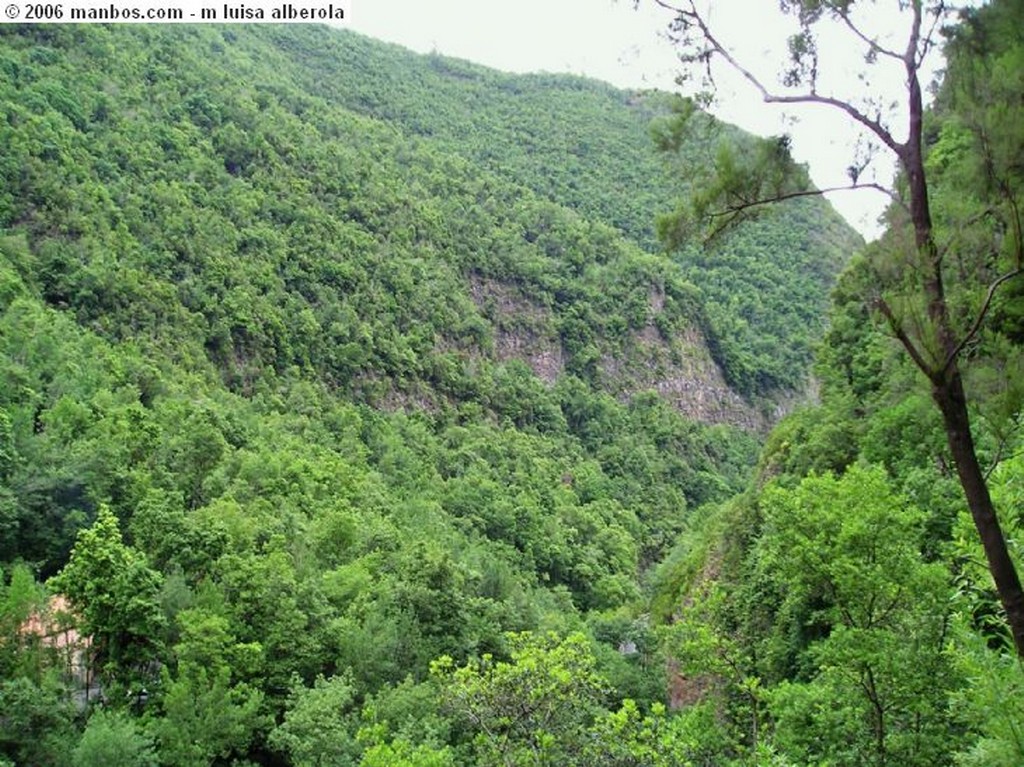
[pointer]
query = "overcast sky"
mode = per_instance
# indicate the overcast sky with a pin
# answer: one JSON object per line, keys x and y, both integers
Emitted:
{"x": 609, "y": 40}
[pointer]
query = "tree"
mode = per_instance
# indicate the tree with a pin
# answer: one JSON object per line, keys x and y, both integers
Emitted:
{"x": 401, "y": 753}
{"x": 112, "y": 588}
{"x": 208, "y": 715}
{"x": 534, "y": 709}
{"x": 112, "y": 739}
{"x": 37, "y": 725}
{"x": 916, "y": 263}
{"x": 879, "y": 678}
{"x": 317, "y": 729}
{"x": 18, "y": 600}
{"x": 545, "y": 706}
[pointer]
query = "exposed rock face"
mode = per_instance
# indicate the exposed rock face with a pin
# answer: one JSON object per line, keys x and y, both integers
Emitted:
{"x": 524, "y": 329}
{"x": 542, "y": 355}
{"x": 685, "y": 691}
{"x": 680, "y": 369}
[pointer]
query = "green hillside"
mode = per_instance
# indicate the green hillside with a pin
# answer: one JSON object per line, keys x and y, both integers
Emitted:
{"x": 535, "y": 168}
{"x": 587, "y": 146}
{"x": 325, "y": 368}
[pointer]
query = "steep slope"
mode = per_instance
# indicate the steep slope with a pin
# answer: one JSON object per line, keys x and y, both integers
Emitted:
{"x": 285, "y": 171}
{"x": 294, "y": 233}
{"x": 587, "y": 146}
{"x": 295, "y": 399}
{"x": 849, "y": 595}
{"x": 174, "y": 196}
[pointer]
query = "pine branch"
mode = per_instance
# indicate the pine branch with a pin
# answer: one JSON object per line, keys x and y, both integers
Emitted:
{"x": 897, "y": 329}
{"x": 747, "y": 204}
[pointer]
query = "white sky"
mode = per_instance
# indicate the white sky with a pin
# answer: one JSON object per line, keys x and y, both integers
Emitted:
{"x": 609, "y": 40}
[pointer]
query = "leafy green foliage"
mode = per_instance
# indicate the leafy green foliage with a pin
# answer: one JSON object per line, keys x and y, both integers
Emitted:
{"x": 111, "y": 738}
{"x": 401, "y": 753}
{"x": 533, "y": 709}
{"x": 841, "y": 611}
{"x": 991, "y": 703}
{"x": 763, "y": 271}
{"x": 315, "y": 730}
{"x": 765, "y": 289}
{"x": 37, "y": 724}
{"x": 547, "y": 705}
{"x": 113, "y": 589}
{"x": 207, "y": 713}
{"x": 19, "y": 599}
{"x": 309, "y": 376}
{"x": 847, "y": 551}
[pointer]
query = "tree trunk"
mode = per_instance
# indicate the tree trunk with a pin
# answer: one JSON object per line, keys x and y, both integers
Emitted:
{"x": 948, "y": 394}
{"x": 944, "y": 371}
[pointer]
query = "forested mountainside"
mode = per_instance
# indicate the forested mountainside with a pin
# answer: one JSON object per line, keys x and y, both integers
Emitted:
{"x": 320, "y": 364}
{"x": 587, "y": 146}
{"x": 530, "y": 199}
{"x": 350, "y": 406}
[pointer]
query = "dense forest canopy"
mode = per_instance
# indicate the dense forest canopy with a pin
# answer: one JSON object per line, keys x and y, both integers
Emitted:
{"x": 353, "y": 409}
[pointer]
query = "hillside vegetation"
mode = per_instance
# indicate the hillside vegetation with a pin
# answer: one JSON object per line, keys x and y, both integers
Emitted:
{"x": 345, "y": 394}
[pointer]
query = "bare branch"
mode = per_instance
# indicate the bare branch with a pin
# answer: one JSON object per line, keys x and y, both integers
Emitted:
{"x": 910, "y": 57}
{"x": 929, "y": 40}
{"x": 951, "y": 357}
{"x": 717, "y": 231}
{"x": 1018, "y": 234}
{"x": 873, "y": 125}
{"x": 998, "y": 458}
{"x": 872, "y": 44}
{"x": 694, "y": 17}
